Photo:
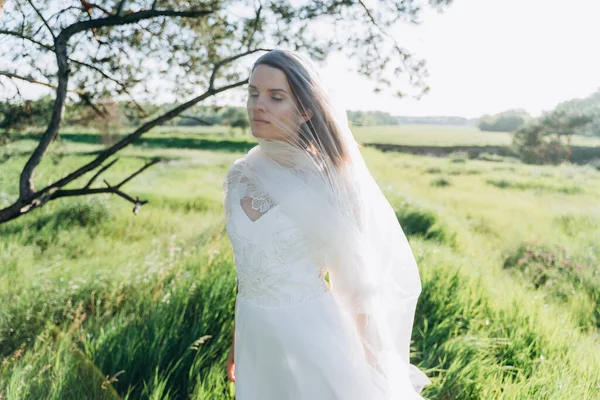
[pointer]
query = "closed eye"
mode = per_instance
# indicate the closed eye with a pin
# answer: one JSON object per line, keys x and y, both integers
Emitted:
{"x": 256, "y": 95}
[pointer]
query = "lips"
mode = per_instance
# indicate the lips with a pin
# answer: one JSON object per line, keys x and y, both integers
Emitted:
{"x": 260, "y": 121}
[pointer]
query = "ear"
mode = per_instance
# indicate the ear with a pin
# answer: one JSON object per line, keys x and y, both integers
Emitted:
{"x": 304, "y": 117}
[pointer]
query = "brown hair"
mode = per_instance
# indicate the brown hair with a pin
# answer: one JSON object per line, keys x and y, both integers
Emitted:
{"x": 309, "y": 95}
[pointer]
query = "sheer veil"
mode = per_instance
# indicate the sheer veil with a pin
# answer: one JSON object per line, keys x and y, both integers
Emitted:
{"x": 317, "y": 176}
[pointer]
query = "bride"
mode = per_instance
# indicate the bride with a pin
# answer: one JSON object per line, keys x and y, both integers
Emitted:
{"x": 299, "y": 205}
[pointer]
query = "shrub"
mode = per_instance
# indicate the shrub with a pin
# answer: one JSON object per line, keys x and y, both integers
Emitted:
{"x": 416, "y": 221}
{"x": 440, "y": 182}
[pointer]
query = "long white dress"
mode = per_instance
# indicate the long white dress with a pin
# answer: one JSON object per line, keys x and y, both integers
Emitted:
{"x": 291, "y": 340}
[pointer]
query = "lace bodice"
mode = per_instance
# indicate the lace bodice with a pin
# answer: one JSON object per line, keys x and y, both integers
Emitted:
{"x": 272, "y": 258}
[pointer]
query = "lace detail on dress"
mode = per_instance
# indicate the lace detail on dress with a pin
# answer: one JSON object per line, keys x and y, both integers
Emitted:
{"x": 272, "y": 257}
{"x": 260, "y": 201}
{"x": 262, "y": 204}
{"x": 257, "y": 281}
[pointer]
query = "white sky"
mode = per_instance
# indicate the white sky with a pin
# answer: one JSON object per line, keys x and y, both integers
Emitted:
{"x": 485, "y": 56}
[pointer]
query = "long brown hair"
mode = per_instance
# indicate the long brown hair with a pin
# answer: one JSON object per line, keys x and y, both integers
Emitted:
{"x": 309, "y": 95}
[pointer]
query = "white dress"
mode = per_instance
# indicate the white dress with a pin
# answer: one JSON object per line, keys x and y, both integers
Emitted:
{"x": 291, "y": 340}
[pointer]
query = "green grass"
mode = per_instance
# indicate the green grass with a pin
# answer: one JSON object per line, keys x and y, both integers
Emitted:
{"x": 97, "y": 302}
{"x": 443, "y": 135}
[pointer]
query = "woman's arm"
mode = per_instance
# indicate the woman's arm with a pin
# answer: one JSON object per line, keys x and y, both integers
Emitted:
{"x": 231, "y": 358}
{"x": 369, "y": 340}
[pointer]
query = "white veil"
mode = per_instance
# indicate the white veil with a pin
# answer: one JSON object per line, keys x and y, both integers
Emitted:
{"x": 318, "y": 177}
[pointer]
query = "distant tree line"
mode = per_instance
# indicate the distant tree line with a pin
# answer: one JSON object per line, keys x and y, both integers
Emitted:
{"x": 378, "y": 118}
{"x": 31, "y": 114}
{"x": 547, "y": 140}
{"x": 588, "y": 106}
{"x": 36, "y": 113}
{"x": 28, "y": 114}
{"x": 507, "y": 121}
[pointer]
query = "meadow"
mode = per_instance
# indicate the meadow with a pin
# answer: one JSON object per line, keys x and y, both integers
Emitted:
{"x": 99, "y": 303}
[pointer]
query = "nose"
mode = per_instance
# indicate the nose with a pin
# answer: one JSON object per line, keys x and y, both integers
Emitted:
{"x": 259, "y": 105}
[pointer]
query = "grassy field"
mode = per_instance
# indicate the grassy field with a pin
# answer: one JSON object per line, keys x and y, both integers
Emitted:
{"x": 99, "y": 303}
{"x": 443, "y": 135}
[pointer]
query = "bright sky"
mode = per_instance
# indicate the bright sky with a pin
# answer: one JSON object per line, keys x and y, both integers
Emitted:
{"x": 487, "y": 56}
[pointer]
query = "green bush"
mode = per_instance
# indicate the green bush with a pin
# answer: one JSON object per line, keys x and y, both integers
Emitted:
{"x": 440, "y": 182}
{"x": 416, "y": 221}
{"x": 556, "y": 272}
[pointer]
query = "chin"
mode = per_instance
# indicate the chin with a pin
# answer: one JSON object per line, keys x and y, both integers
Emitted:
{"x": 263, "y": 135}
{"x": 257, "y": 134}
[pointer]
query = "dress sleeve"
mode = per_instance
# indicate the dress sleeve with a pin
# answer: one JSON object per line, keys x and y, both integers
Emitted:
{"x": 230, "y": 183}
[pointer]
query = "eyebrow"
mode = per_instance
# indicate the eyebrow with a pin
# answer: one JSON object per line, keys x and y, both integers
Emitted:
{"x": 270, "y": 90}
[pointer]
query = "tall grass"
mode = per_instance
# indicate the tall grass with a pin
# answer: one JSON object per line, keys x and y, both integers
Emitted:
{"x": 99, "y": 303}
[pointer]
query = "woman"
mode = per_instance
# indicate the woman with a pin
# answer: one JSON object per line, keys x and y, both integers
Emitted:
{"x": 298, "y": 205}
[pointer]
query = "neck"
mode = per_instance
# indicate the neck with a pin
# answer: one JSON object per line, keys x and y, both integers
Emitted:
{"x": 282, "y": 152}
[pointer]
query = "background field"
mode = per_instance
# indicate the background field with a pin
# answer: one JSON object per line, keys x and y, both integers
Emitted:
{"x": 444, "y": 135}
{"x": 99, "y": 303}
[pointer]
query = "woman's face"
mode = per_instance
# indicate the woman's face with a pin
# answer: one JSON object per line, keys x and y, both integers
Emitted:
{"x": 271, "y": 105}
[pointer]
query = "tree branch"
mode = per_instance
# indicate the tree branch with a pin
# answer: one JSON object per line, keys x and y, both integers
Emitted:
{"x": 32, "y": 200}
{"x": 110, "y": 189}
{"x": 254, "y": 26}
{"x": 120, "y": 7}
{"x": 104, "y": 74}
{"x": 369, "y": 14}
{"x": 42, "y": 18}
{"x": 219, "y": 64}
{"x": 139, "y": 132}
{"x": 55, "y": 193}
{"x": 86, "y": 98}
{"x": 148, "y": 165}
{"x": 22, "y": 36}
{"x": 64, "y": 10}
{"x": 26, "y": 186}
{"x": 130, "y": 19}
{"x": 31, "y": 80}
{"x": 150, "y": 124}
{"x": 100, "y": 171}
{"x": 89, "y": 6}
